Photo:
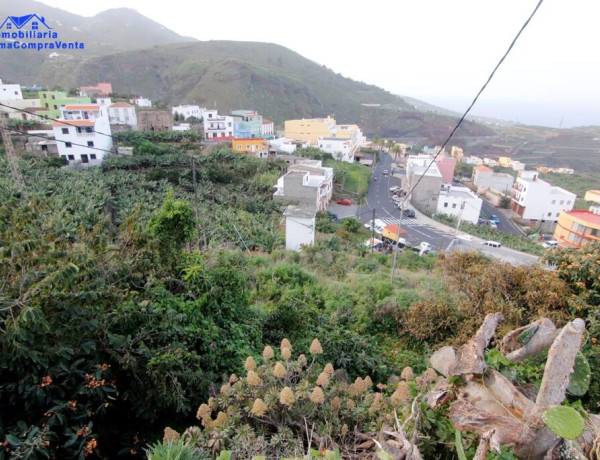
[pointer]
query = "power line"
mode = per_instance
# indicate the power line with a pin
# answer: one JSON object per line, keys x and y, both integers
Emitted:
{"x": 512, "y": 44}
{"x": 56, "y": 140}
{"x": 65, "y": 122}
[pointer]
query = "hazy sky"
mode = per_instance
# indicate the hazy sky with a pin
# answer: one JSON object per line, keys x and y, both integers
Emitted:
{"x": 439, "y": 51}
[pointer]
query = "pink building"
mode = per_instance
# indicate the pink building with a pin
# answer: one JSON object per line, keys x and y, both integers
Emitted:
{"x": 446, "y": 167}
{"x": 101, "y": 89}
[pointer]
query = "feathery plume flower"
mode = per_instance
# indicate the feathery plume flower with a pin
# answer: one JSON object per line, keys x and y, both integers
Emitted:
{"x": 286, "y": 353}
{"x": 220, "y": 420}
{"x": 170, "y": 435}
{"x": 302, "y": 360}
{"x": 285, "y": 343}
{"x": 250, "y": 364}
{"x": 329, "y": 369}
{"x": 259, "y": 408}
{"x": 203, "y": 412}
{"x": 286, "y": 397}
{"x": 317, "y": 396}
{"x": 225, "y": 388}
{"x": 233, "y": 378}
{"x": 268, "y": 353}
{"x": 407, "y": 373}
{"x": 401, "y": 394}
{"x": 350, "y": 405}
{"x": 253, "y": 379}
{"x": 323, "y": 379}
{"x": 315, "y": 348}
{"x": 279, "y": 371}
{"x": 336, "y": 403}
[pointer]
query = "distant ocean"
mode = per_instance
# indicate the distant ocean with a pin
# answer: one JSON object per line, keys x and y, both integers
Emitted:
{"x": 529, "y": 113}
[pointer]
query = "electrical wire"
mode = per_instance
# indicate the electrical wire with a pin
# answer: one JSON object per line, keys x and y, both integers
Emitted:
{"x": 65, "y": 122}
{"x": 56, "y": 140}
{"x": 512, "y": 44}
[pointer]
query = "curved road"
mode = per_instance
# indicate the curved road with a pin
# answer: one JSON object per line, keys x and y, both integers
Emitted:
{"x": 379, "y": 198}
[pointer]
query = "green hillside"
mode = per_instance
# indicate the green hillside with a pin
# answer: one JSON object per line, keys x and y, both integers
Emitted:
{"x": 274, "y": 80}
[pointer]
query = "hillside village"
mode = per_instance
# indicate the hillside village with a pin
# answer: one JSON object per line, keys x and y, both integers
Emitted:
{"x": 146, "y": 289}
{"x": 84, "y": 125}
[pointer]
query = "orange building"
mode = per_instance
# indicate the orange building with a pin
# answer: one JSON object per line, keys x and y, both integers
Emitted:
{"x": 254, "y": 145}
{"x": 576, "y": 228}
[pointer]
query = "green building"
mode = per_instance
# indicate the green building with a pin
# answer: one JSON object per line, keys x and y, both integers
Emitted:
{"x": 52, "y": 100}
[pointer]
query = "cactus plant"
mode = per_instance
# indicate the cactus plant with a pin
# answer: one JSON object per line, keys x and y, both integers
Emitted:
{"x": 580, "y": 377}
{"x": 565, "y": 421}
{"x": 527, "y": 334}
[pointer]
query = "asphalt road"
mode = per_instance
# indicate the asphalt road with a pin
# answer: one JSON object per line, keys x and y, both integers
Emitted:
{"x": 505, "y": 225}
{"x": 379, "y": 198}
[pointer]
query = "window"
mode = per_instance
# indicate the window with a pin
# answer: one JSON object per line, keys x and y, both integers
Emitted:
{"x": 549, "y": 214}
{"x": 65, "y": 130}
{"x": 53, "y": 97}
{"x": 453, "y": 205}
{"x": 578, "y": 227}
{"x": 239, "y": 147}
{"x": 568, "y": 202}
{"x": 90, "y": 143}
{"x": 85, "y": 159}
{"x": 68, "y": 145}
{"x": 55, "y": 107}
{"x": 34, "y": 25}
{"x": 445, "y": 205}
{"x": 8, "y": 26}
{"x": 63, "y": 156}
{"x": 562, "y": 201}
{"x": 92, "y": 156}
{"x": 557, "y": 214}
{"x": 553, "y": 201}
{"x": 71, "y": 157}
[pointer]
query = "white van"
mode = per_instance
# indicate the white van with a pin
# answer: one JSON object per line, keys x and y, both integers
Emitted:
{"x": 494, "y": 244}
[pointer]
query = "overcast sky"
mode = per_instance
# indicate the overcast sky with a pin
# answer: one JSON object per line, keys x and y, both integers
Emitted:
{"x": 439, "y": 51}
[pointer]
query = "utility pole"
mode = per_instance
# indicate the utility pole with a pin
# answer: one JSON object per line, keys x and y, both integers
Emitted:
{"x": 11, "y": 156}
{"x": 462, "y": 207}
{"x": 373, "y": 231}
{"x": 397, "y": 243}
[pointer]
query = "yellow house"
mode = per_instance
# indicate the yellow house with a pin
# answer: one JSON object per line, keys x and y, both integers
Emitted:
{"x": 255, "y": 145}
{"x": 577, "y": 228}
{"x": 309, "y": 129}
{"x": 505, "y": 162}
{"x": 456, "y": 152}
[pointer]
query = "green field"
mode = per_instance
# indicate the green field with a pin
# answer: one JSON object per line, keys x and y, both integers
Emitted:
{"x": 355, "y": 178}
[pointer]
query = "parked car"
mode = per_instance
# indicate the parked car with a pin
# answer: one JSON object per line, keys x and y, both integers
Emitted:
{"x": 396, "y": 198}
{"x": 395, "y": 188}
{"x": 332, "y": 217}
{"x": 550, "y": 244}
{"x": 495, "y": 219}
{"x": 345, "y": 202}
{"x": 385, "y": 172}
{"x": 494, "y": 244}
{"x": 408, "y": 213}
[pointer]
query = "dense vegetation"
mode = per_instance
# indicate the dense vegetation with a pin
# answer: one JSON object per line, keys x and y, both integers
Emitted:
{"x": 129, "y": 298}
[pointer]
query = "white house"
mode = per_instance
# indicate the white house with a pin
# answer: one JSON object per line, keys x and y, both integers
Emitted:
{"x": 181, "y": 127}
{"x": 536, "y": 200}
{"x": 302, "y": 186}
{"x": 104, "y": 101}
{"x": 21, "y": 109}
{"x": 299, "y": 227}
{"x": 83, "y": 133}
{"x": 141, "y": 102}
{"x": 285, "y": 145}
{"x": 340, "y": 149}
{"x": 484, "y": 177}
{"x": 459, "y": 202}
{"x": 10, "y": 92}
{"x": 187, "y": 111}
{"x": 217, "y": 127}
{"x": 267, "y": 129}
{"x": 122, "y": 113}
